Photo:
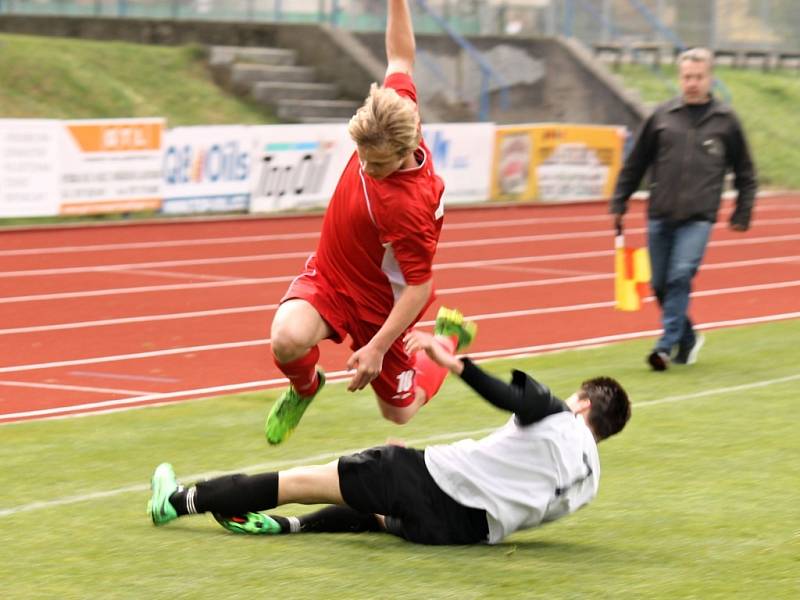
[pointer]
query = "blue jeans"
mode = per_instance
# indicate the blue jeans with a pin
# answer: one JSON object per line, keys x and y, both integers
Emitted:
{"x": 676, "y": 250}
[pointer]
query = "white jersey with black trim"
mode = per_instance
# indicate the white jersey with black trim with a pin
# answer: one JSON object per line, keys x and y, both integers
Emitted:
{"x": 521, "y": 476}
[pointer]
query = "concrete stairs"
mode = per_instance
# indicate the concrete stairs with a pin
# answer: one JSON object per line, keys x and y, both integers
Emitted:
{"x": 270, "y": 76}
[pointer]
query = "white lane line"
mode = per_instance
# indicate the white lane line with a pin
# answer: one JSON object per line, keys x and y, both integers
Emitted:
{"x": 291, "y": 255}
{"x": 143, "y": 319}
{"x": 137, "y": 355}
{"x": 147, "y": 289}
{"x": 436, "y": 267}
{"x": 441, "y": 292}
{"x": 332, "y": 455}
{"x": 603, "y": 340}
{"x": 211, "y": 241}
{"x": 176, "y": 274}
{"x": 312, "y": 235}
{"x": 74, "y": 388}
{"x": 160, "y": 263}
{"x": 607, "y": 276}
{"x": 336, "y": 375}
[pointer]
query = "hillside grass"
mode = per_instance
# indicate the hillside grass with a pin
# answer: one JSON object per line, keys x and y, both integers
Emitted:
{"x": 61, "y": 78}
{"x": 767, "y": 104}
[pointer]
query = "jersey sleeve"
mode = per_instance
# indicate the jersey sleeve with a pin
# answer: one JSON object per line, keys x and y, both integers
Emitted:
{"x": 403, "y": 84}
{"x": 528, "y": 399}
{"x": 413, "y": 235}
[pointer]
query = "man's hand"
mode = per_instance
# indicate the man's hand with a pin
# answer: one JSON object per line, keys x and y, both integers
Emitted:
{"x": 618, "y": 223}
{"x": 367, "y": 362}
{"x": 737, "y": 227}
{"x": 416, "y": 340}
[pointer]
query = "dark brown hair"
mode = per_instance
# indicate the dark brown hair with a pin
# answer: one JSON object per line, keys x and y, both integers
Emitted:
{"x": 610, "y": 409}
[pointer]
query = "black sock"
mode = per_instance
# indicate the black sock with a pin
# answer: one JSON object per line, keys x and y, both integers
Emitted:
{"x": 333, "y": 519}
{"x": 228, "y": 495}
{"x": 178, "y": 501}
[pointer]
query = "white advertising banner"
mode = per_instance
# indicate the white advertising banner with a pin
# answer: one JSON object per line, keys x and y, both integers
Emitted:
{"x": 207, "y": 169}
{"x": 111, "y": 165}
{"x": 462, "y": 157}
{"x": 29, "y": 167}
{"x": 297, "y": 166}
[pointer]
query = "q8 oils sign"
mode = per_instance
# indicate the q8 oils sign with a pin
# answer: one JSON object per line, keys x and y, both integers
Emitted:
{"x": 297, "y": 166}
{"x": 207, "y": 169}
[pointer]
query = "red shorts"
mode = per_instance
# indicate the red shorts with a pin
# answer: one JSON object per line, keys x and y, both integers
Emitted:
{"x": 396, "y": 384}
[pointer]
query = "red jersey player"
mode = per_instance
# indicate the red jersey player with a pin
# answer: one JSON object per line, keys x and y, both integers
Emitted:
{"x": 371, "y": 274}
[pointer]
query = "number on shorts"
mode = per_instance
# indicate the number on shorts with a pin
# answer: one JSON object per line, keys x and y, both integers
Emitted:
{"x": 404, "y": 381}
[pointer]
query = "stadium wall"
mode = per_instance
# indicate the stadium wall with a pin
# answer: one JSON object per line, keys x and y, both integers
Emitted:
{"x": 551, "y": 79}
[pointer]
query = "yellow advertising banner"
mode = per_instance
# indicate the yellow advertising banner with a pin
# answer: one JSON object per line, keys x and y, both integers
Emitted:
{"x": 554, "y": 162}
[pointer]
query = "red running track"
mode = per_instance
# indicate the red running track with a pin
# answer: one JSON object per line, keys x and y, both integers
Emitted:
{"x": 101, "y": 318}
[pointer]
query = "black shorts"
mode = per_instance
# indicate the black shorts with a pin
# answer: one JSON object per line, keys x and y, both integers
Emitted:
{"x": 394, "y": 482}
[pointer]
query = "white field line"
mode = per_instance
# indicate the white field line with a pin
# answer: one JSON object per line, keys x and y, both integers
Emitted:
{"x": 339, "y": 375}
{"x": 303, "y": 254}
{"x": 436, "y": 267}
{"x": 312, "y": 235}
{"x": 75, "y": 388}
{"x": 332, "y": 455}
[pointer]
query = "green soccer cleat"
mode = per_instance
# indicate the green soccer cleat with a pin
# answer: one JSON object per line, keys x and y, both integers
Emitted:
{"x": 163, "y": 484}
{"x": 287, "y": 412}
{"x": 252, "y": 523}
{"x": 450, "y": 322}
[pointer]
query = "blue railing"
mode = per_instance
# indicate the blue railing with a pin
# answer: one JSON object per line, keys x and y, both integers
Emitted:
{"x": 488, "y": 73}
{"x": 670, "y": 35}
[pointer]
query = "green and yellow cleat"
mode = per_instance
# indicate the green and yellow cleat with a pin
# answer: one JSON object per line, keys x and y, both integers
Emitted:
{"x": 163, "y": 485}
{"x": 450, "y": 322}
{"x": 250, "y": 523}
{"x": 287, "y": 412}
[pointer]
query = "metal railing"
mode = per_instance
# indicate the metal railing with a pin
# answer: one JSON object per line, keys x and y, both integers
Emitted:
{"x": 488, "y": 73}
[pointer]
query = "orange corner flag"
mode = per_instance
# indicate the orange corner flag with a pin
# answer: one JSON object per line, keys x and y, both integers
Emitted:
{"x": 631, "y": 275}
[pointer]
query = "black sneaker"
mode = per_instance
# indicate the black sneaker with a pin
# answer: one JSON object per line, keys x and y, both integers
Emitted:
{"x": 658, "y": 360}
{"x": 688, "y": 356}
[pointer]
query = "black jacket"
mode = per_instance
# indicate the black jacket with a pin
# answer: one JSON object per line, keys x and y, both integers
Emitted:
{"x": 688, "y": 163}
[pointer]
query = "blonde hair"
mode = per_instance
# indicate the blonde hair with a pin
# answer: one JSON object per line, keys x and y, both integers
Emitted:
{"x": 386, "y": 122}
{"x": 697, "y": 55}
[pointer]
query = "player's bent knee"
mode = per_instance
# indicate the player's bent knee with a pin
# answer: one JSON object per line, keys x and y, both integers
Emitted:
{"x": 397, "y": 414}
{"x": 287, "y": 345}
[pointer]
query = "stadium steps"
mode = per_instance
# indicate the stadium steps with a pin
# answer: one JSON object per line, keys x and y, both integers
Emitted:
{"x": 269, "y": 92}
{"x": 296, "y": 110}
{"x": 271, "y": 77}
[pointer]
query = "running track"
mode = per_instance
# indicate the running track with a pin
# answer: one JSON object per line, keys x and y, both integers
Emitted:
{"x": 104, "y": 318}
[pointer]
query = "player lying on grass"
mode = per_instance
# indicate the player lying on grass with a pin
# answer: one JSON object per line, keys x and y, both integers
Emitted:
{"x": 371, "y": 275}
{"x": 541, "y": 465}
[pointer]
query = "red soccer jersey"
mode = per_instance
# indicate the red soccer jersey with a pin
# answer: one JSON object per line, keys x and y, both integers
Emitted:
{"x": 380, "y": 235}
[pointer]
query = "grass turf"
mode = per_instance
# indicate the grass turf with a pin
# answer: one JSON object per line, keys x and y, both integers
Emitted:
{"x": 697, "y": 497}
{"x": 61, "y": 78}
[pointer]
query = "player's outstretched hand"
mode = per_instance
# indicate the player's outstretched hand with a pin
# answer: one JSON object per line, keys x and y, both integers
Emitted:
{"x": 367, "y": 363}
{"x": 416, "y": 340}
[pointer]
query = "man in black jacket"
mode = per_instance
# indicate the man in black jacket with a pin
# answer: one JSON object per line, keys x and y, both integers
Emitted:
{"x": 688, "y": 144}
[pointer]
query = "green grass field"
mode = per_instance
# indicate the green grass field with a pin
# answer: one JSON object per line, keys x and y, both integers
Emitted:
{"x": 698, "y": 497}
{"x": 766, "y": 103}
